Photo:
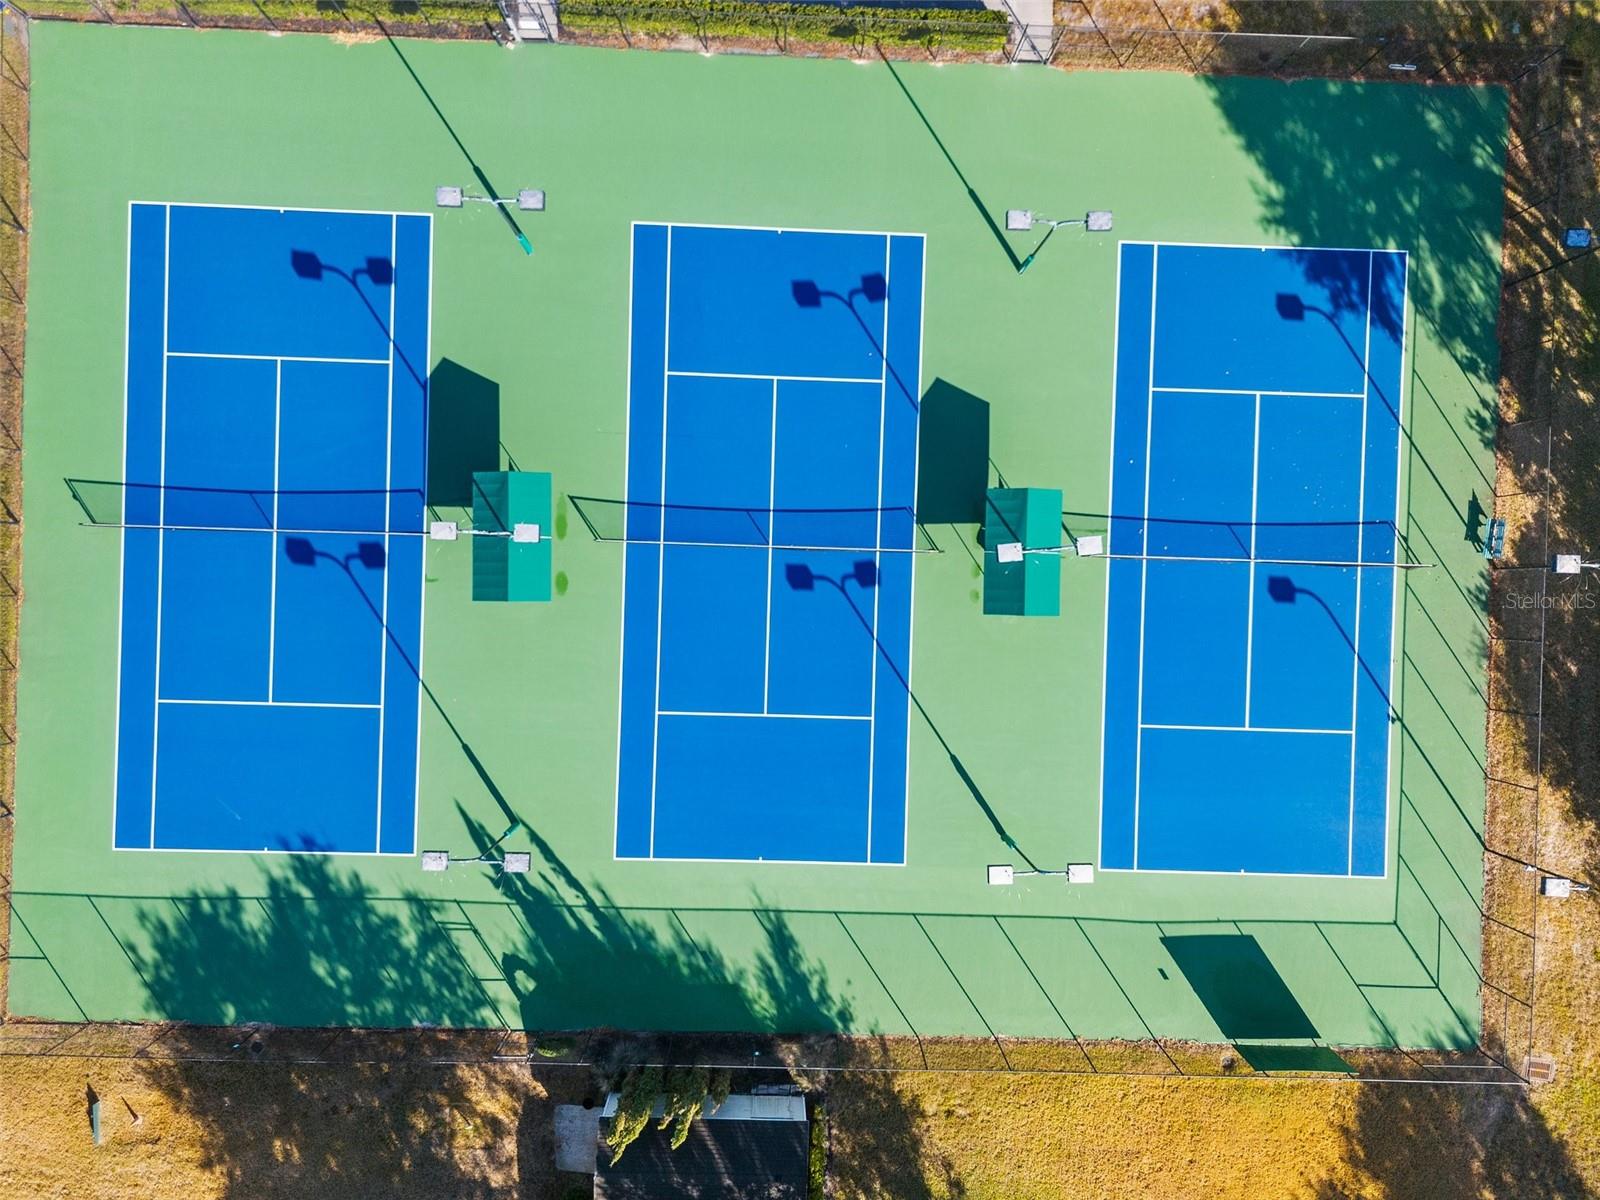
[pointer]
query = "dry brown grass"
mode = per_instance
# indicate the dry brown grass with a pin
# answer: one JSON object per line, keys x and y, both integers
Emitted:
{"x": 268, "y": 1129}
{"x": 1544, "y": 765}
{"x": 243, "y": 1129}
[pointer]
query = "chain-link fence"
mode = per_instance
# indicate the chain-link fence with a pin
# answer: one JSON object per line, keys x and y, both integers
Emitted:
{"x": 1077, "y": 38}
{"x": 1088, "y": 46}
{"x": 14, "y": 83}
{"x": 605, "y": 1051}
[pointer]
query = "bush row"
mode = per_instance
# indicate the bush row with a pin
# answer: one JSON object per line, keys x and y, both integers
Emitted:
{"x": 981, "y": 31}
{"x": 356, "y": 12}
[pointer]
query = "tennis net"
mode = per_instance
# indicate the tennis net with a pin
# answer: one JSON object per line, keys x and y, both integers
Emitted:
{"x": 889, "y": 530}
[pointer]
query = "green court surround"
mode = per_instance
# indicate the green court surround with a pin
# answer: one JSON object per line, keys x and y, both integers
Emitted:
{"x": 520, "y": 711}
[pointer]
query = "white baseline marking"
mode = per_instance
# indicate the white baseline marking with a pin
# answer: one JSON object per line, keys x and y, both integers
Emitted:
{"x": 1198, "y": 391}
{"x": 422, "y": 565}
{"x": 122, "y": 542}
{"x": 307, "y": 358}
{"x": 683, "y": 712}
{"x": 1250, "y": 594}
{"x": 268, "y": 703}
{"x": 1361, "y": 512}
{"x": 287, "y": 208}
{"x": 1244, "y": 728}
{"x": 781, "y": 378}
{"x": 272, "y": 548}
{"x": 877, "y": 540}
{"x": 1144, "y": 565}
{"x": 627, "y": 470}
{"x": 388, "y": 486}
{"x": 161, "y": 509}
{"x": 661, "y": 556}
{"x": 772, "y": 504}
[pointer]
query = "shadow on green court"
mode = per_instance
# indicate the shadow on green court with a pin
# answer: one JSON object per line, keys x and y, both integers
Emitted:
{"x": 463, "y": 432}
{"x": 318, "y": 946}
{"x": 489, "y": 190}
{"x": 952, "y": 455}
{"x": 972, "y": 194}
{"x": 1388, "y": 165}
{"x": 1240, "y": 988}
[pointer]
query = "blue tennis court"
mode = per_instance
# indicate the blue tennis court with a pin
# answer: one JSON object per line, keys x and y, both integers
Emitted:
{"x": 1255, "y": 462}
{"x": 271, "y": 625}
{"x": 772, "y": 434}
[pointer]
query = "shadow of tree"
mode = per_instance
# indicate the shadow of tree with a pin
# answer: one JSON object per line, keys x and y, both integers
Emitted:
{"x": 1390, "y": 166}
{"x": 1452, "y": 1143}
{"x": 879, "y": 1147}
{"x": 1479, "y": 184}
{"x": 307, "y": 1106}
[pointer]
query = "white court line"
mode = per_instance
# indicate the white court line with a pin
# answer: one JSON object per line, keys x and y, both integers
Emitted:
{"x": 911, "y": 589}
{"x": 267, "y": 850}
{"x": 168, "y": 353}
{"x": 764, "y": 862}
{"x": 1241, "y": 873}
{"x": 1250, "y": 592}
{"x": 1389, "y": 810}
{"x": 161, "y": 509}
{"x": 272, "y": 604}
{"x": 881, "y": 383}
{"x": 1399, "y": 458}
{"x": 122, "y": 541}
{"x": 422, "y": 566}
{"x": 1105, "y": 628}
{"x": 1361, "y": 512}
{"x": 772, "y": 504}
{"x": 1199, "y": 391}
{"x": 1253, "y": 246}
{"x": 627, "y": 467}
{"x": 877, "y": 556}
{"x": 780, "y": 378}
{"x": 288, "y": 208}
{"x": 1144, "y": 564}
{"x": 759, "y": 716}
{"x": 883, "y": 233}
{"x": 388, "y": 484}
{"x": 268, "y": 703}
{"x": 661, "y": 554}
{"x": 282, "y": 358}
{"x": 1245, "y": 728}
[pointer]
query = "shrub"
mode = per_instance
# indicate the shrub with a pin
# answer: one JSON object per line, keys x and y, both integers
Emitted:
{"x": 686, "y": 1098}
{"x": 979, "y": 30}
{"x": 817, "y": 1163}
{"x": 635, "y": 1098}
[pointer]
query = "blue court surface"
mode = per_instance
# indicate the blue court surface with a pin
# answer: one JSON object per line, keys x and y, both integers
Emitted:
{"x": 772, "y": 434}
{"x": 1255, "y": 459}
{"x": 271, "y": 626}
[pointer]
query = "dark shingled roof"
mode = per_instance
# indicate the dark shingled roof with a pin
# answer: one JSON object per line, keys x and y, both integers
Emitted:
{"x": 722, "y": 1160}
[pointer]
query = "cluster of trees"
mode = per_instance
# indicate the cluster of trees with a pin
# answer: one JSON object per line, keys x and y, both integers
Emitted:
{"x": 689, "y": 1091}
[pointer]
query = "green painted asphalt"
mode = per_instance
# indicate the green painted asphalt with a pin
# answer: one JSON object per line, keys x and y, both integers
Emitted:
{"x": 124, "y": 114}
